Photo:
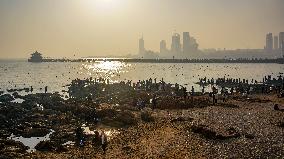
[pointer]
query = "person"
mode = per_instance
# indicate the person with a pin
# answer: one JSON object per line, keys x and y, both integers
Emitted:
{"x": 97, "y": 139}
{"x": 104, "y": 141}
{"x": 192, "y": 91}
{"x": 184, "y": 92}
{"x": 32, "y": 89}
{"x": 154, "y": 102}
{"x": 79, "y": 136}
{"x": 45, "y": 89}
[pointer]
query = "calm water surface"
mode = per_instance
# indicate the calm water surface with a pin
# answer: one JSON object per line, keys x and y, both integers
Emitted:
{"x": 21, "y": 74}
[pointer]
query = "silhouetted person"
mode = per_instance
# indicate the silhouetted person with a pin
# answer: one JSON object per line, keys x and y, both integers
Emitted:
{"x": 32, "y": 89}
{"x": 154, "y": 102}
{"x": 45, "y": 89}
{"x": 104, "y": 141}
{"x": 97, "y": 139}
{"x": 79, "y": 136}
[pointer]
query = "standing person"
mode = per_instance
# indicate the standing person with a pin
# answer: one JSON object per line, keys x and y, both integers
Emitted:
{"x": 154, "y": 102}
{"x": 184, "y": 92}
{"x": 192, "y": 91}
{"x": 32, "y": 89}
{"x": 79, "y": 136}
{"x": 45, "y": 89}
{"x": 104, "y": 141}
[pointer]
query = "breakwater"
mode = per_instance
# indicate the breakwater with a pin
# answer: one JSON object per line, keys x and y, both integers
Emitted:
{"x": 135, "y": 60}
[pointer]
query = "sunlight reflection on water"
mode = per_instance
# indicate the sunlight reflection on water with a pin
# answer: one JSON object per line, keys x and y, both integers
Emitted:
{"x": 106, "y": 69}
{"x": 56, "y": 75}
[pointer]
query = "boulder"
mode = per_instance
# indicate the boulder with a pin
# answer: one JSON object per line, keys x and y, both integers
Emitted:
{"x": 6, "y": 98}
{"x": 35, "y": 132}
{"x": 50, "y": 146}
{"x": 12, "y": 146}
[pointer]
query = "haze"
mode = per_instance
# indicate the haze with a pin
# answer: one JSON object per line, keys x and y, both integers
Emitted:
{"x": 62, "y": 28}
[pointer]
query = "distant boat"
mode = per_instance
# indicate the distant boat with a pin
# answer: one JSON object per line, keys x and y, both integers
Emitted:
{"x": 36, "y": 57}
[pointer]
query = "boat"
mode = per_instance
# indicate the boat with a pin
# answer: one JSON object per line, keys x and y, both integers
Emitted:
{"x": 36, "y": 57}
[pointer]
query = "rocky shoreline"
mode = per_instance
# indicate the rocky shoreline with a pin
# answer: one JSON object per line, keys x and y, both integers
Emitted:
{"x": 178, "y": 127}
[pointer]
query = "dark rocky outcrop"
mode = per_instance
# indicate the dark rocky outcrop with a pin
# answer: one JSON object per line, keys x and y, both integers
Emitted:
{"x": 50, "y": 146}
{"x": 213, "y": 135}
{"x": 6, "y": 98}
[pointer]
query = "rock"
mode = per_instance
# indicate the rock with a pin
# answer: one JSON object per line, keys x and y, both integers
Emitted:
{"x": 147, "y": 116}
{"x": 6, "y": 98}
{"x": 12, "y": 146}
{"x": 213, "y": 135}
{"x": 16, "y": 95}
{"x": 35, "y": 132}
{"x": 50, "y": 146}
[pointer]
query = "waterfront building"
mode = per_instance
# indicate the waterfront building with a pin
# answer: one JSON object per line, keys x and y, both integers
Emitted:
{"x": 276, "y": 42}
{"x": 141, "y": 46}
{"x": 281, "y": 40}
{"x": 36, "y": 57}
{"x": 269, "y": 42}
{"x": 163, "y": 47}
{"x": 176, "y": 45}
{"x": 186, "y": 42}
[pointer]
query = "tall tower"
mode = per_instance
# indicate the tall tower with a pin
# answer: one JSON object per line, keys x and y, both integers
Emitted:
{"x": 276, "y": 43}
{"x": 163, "y": 46}
{"x": 281, "y": 40}
{"x": 176, "y": 45}
{"x": 186, "y": 42}
{"x": 269, "y": 42}
{"x": 141, "y": 46}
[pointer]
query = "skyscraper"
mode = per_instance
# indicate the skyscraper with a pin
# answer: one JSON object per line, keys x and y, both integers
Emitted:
{"x": 176, "y": 45}
{"x": 163, "y": 47}
{"x": 276, "y": 43}
{"x": 141, "y": 46}
{"x": 269, "y": 42}
{"x": 186, "y": 42}
{"x": 281, "y": 40}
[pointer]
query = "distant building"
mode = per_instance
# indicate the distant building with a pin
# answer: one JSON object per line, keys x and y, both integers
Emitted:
{"x": 186, "y": 42}
{"x": 281, "y": 40}
{"x": 36, "y": 57}
{"x": 276, "y": 43}
{"x": 141, "y": 46}
{"x": 163, "y": 47}
{"x": 176, "y": 45}
{"x": 269, "y": 42}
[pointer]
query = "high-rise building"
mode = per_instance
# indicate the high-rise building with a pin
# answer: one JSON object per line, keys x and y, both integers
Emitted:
{"x": 176, "y": 45}
{"x": 281, "y": 40}
{"x": 186, "y": 42}
{"x": 163, "y": 46}
{"x": 141, "y": 46}
{"x": 276, "y": 43}
{"x": 269, "y": 42}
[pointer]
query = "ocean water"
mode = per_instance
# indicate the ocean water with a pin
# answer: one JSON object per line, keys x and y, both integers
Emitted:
{"x": 22, "y": 74}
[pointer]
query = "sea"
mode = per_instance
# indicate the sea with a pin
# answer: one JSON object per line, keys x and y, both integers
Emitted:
{"x": 18, "y": 74}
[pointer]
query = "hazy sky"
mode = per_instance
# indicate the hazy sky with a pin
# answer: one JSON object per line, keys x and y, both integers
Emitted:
{"x": 62, "y": 28}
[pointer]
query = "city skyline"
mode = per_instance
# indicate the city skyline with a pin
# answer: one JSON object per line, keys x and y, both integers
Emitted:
{"x": 109, "y": 27}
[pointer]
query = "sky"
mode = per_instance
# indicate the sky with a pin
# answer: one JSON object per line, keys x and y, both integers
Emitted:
{"x": 64, "y": 28}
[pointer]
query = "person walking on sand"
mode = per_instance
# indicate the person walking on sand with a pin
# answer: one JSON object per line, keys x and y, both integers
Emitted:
{"x": 104, "y": 141}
